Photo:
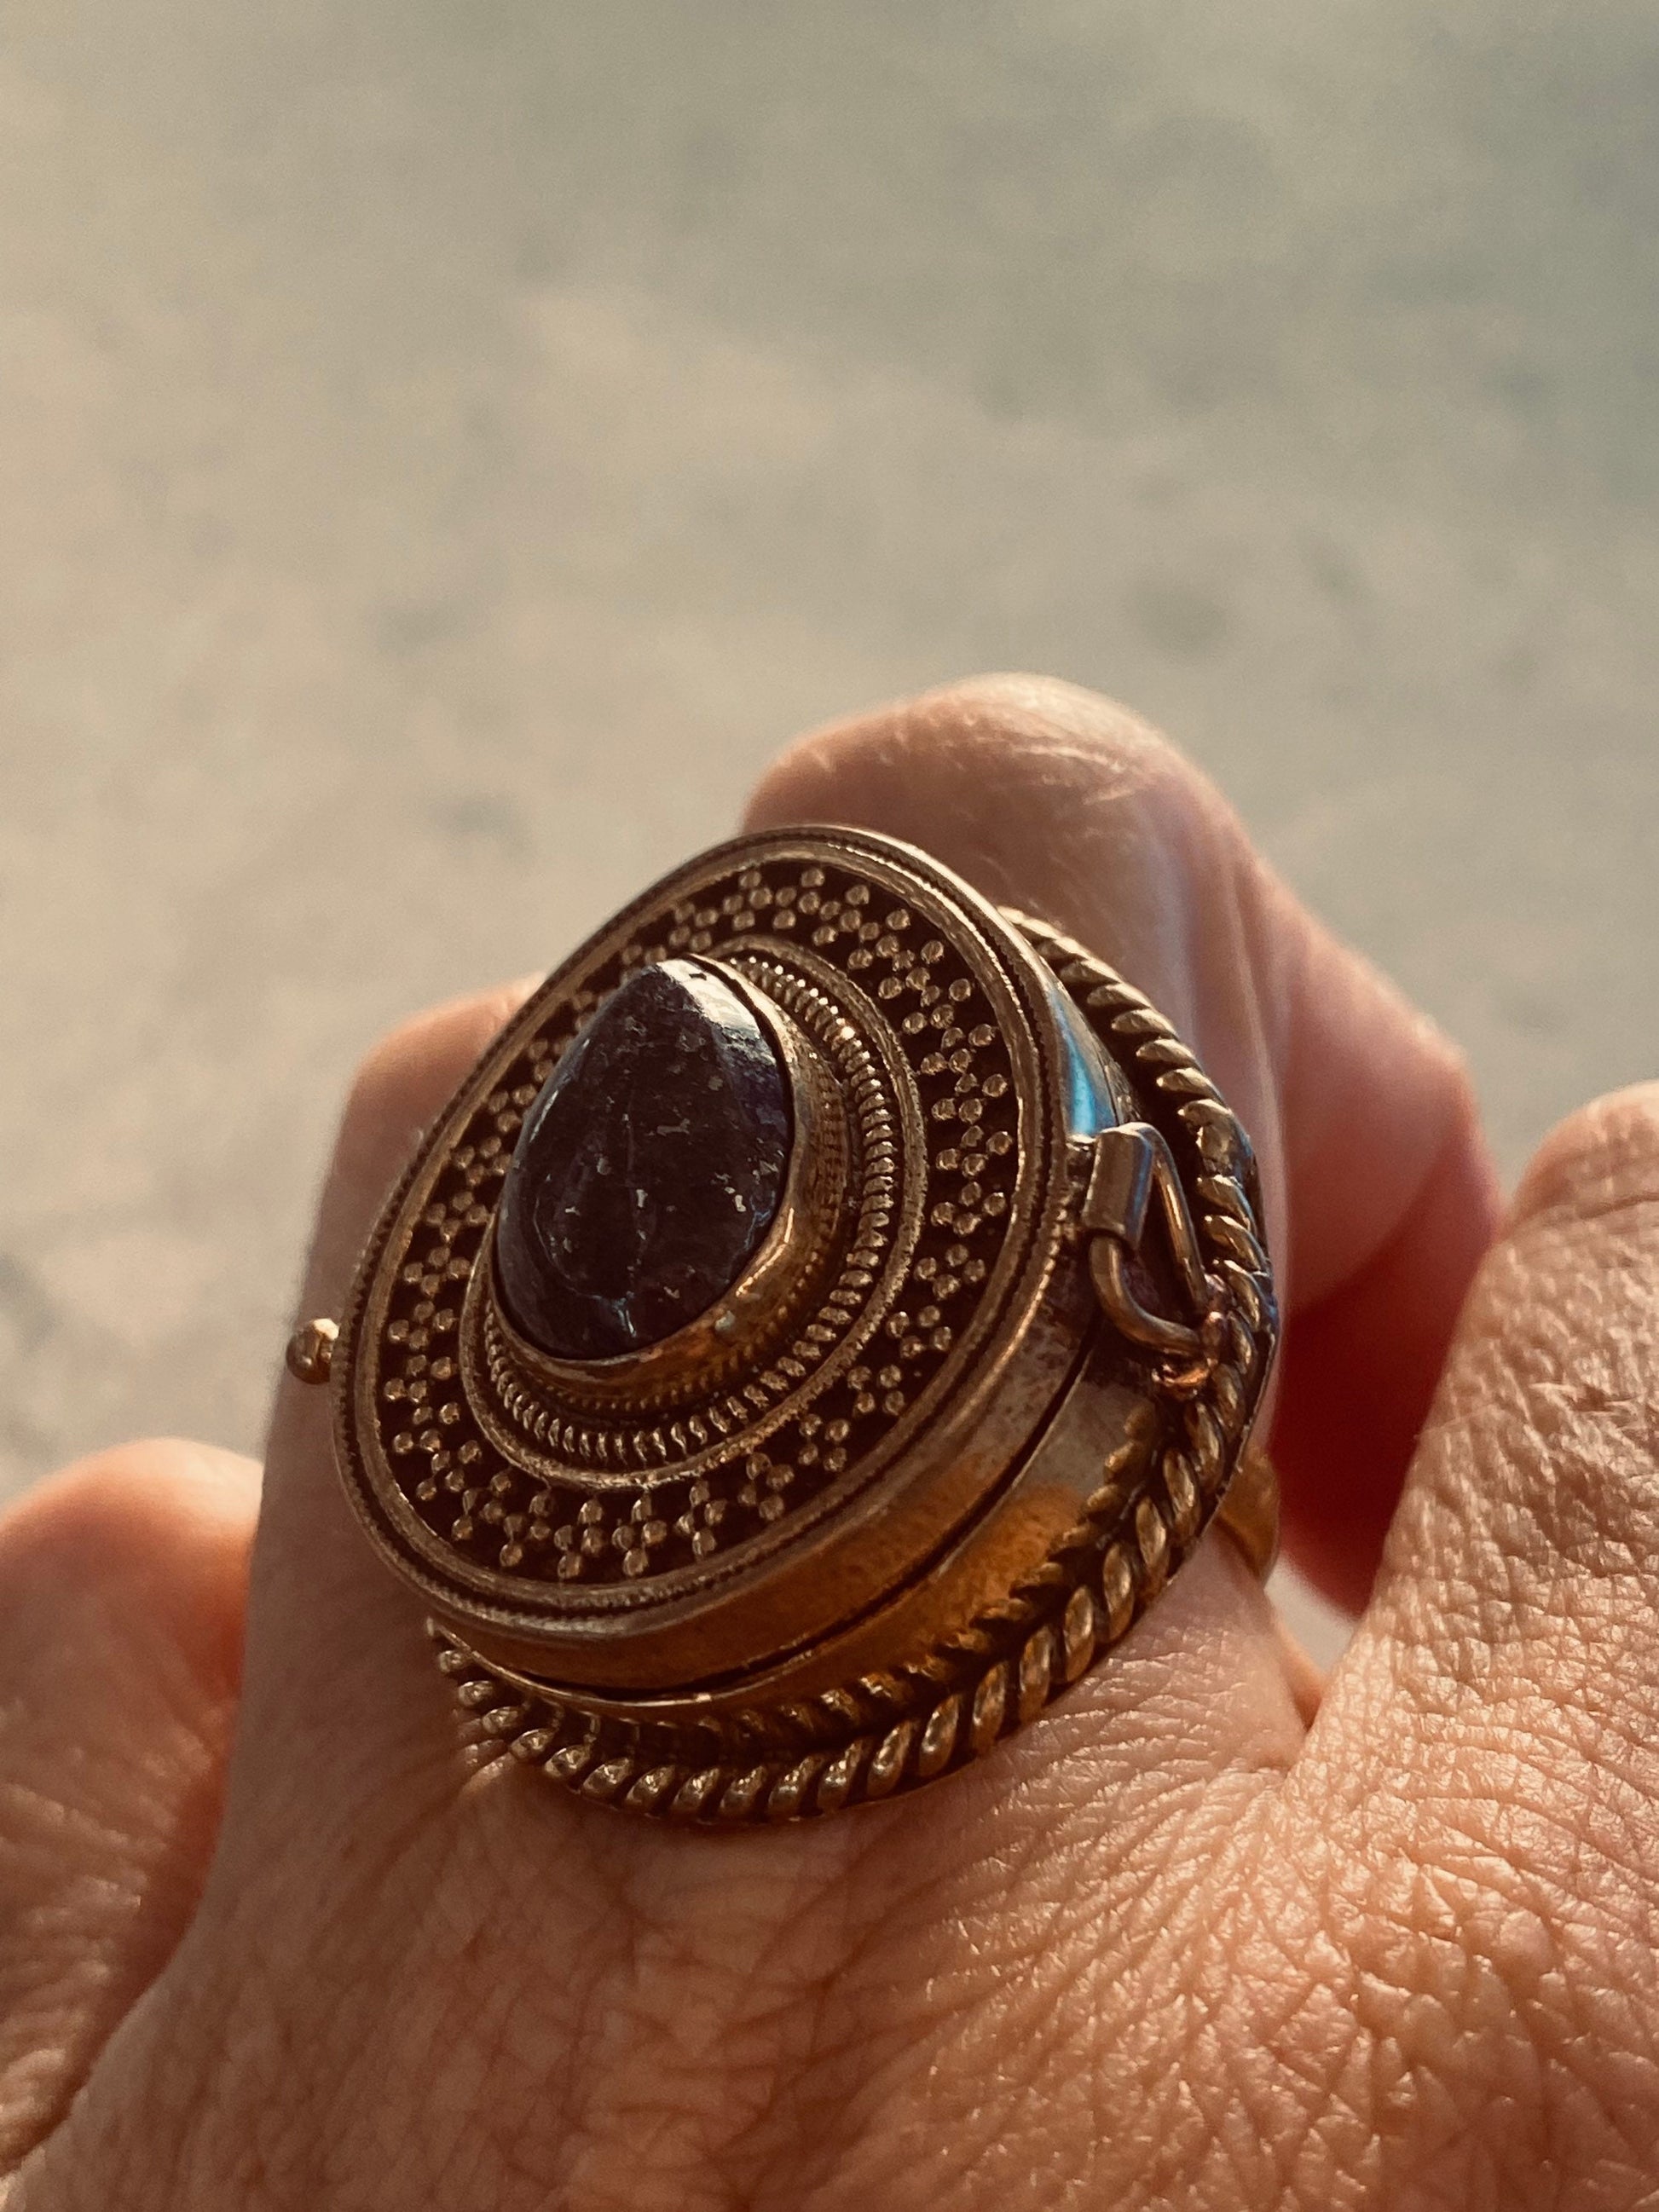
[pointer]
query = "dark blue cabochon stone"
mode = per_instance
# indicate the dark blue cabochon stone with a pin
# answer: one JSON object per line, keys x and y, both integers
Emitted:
{"x": 648, "y": 1169}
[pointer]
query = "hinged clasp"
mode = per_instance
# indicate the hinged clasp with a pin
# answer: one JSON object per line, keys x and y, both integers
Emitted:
{"x": 1133, "y": 1163}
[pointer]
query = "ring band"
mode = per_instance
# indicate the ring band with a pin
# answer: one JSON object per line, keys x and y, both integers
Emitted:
{"x": 819, "y": 1326}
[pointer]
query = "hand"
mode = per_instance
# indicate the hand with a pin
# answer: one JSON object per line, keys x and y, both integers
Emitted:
{"x": 1180, "y": 1944}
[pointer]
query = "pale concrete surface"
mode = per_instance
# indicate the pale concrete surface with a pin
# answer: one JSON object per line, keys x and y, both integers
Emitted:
{"x": 444, "y": 448}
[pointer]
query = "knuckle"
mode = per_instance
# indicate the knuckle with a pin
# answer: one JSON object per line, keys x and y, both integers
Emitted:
{"x": 988, "y": 739}
{"x": 400, "y": 1087}
{"x": 91, "y": 1509}
{"x": 151, "y": 1535}
{"x": 1602, "y": 1160}
{"x": 988, "y": 714}
{"x": 408, "y": 1074}
{"x": 1057, "y": 752}
{"x": 385, "y": 1074}
{"x": 1039, "y": 792}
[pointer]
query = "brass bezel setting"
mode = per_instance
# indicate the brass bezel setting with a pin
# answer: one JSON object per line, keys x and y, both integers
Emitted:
{"x": 510, "y": 1381}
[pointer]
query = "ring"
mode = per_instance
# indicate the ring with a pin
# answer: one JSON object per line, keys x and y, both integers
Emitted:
{"x": 820, "y": 1325}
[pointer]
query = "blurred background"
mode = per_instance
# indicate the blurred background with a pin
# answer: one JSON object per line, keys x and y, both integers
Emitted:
{"x": 444, "y": 449}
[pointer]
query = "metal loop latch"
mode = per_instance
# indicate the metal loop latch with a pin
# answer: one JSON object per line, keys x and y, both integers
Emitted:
{"x": 1132, "y": 1164}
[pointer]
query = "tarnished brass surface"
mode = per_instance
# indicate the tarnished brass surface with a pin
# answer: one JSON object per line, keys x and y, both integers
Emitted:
{"x": 310, "y": 1351}
{"x": 1248, "y": 1511}
{"x": 984, "y": 1384}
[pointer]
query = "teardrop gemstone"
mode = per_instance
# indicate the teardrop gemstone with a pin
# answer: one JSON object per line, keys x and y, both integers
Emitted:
{"x": 648, "y": 1168}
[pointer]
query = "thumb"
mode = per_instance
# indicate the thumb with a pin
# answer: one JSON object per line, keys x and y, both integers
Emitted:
{"x": 122, "y": 1589}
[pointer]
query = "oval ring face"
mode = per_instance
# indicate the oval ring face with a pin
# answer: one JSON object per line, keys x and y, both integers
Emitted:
{"x": 560, "y": 1506}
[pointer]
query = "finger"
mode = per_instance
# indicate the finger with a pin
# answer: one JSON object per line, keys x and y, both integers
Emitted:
{"x": 1519, "y": 1598}
{"x": 1381, "y": 1193}
{"x": 123, "y": 1586}
{"x": 338, "y": 1670}
{"x": 1527, "y": 1547}
{"x": 1484, "y": 1776}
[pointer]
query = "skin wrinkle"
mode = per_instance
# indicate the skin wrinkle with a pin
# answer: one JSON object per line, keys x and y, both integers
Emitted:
{"x": 965, "y": 2007}
{"x": 1044, "y": 1954}
{"x": 977, "y": 1997}
{"x": 1522, "y": 2029}
{"x": 785, "y": 2002}
{"x": 1367, "y": 1850}
{"x": 1373, "y": 2098}
{"x": 716, "y": 1848}
{"x": 1171, "y": 1810}
{"x": 1281, "y": 2061}
{"x": 1380, "y": 1826}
